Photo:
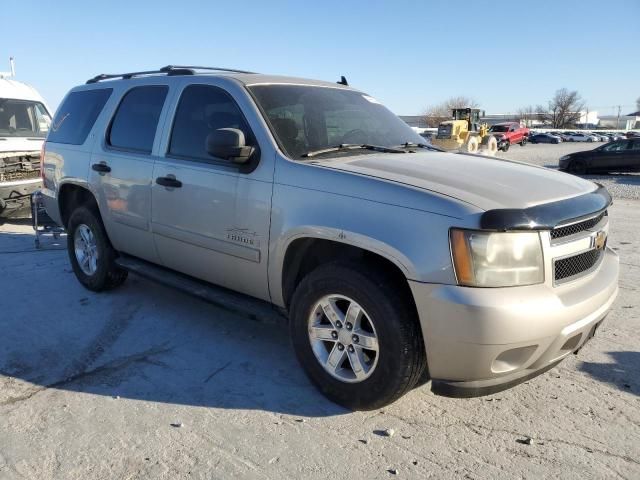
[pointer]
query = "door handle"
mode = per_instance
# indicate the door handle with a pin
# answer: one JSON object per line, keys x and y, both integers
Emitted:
{"x": 101, "y": 167}
{"x": 169, "y": 182}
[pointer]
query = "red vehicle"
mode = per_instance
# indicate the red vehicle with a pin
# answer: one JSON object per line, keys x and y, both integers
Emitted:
{"x": 509, "y": 133}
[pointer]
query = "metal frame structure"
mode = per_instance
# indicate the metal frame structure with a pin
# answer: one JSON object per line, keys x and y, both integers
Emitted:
{"x": 41, "y": 222}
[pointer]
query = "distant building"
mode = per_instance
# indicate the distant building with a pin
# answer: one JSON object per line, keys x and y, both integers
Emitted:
{"x": 623, "y": 122}
{"x": 494, "y": 118}
{"x": 416, "y": 121}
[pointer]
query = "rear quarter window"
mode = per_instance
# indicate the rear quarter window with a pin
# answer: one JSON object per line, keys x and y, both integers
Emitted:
{"x": 76, "y": 116}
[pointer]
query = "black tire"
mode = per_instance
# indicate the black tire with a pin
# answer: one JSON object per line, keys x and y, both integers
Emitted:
{"x": 505, "y": 146}
{"x": 578, "y": 167}
{"x": 107, "y": 275}
{"x": 523, "y": 142}
{"x": 402, "y": 357}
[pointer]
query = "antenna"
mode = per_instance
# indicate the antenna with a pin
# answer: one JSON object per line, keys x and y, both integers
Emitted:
{"x": 12, "y": 73}
{"x": 342, "y": 81}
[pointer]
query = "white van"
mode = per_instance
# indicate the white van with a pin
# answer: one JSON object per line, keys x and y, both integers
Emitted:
{"x": 24, "y": 123}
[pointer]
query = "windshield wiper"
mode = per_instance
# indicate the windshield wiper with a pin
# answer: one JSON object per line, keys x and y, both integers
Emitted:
{"x": 421, "y": 145}
{"x": 352, "y": 146}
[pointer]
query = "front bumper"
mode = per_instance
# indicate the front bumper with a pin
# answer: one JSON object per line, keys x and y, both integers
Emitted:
{"x": 483, "y": 340}
{"x": 16, "y": 194}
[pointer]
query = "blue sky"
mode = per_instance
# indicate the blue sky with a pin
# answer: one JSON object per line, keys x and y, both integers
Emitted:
{"x": 408, "y": 54}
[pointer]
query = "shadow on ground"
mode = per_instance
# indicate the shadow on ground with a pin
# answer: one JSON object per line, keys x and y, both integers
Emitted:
{"x": 623, "y": 373}
{"x": 141, "y": 341}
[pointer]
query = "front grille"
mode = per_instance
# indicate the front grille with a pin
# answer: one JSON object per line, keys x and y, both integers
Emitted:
{"x": 19, "y": 175}
{"x": 569, "y": 267}
{"x": 576, "y": 227}
{"x": 19, "y": 167}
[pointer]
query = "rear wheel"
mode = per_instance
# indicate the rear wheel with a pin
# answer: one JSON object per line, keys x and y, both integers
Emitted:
{"x": 90, "y": 252}
{"x": 523, "y": 142}
{"x": 356, "y": 335}
{"x": 578, "y": 167}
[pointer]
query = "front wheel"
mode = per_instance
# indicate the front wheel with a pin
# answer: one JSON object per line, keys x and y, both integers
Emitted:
{"x": 489, "y": 146}
{"x": 578, "y": 167}
{"x": 505, "y": 146}
{"x": 357, "y": 336}
{"x": 90, "y": 252}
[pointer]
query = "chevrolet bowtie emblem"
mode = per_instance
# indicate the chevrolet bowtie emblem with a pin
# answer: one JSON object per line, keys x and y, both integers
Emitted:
{"x": 600, "y": 240}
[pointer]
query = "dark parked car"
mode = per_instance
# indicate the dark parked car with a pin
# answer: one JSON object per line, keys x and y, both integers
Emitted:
{"x": 544, "y": 138}
{"x": 618, "y": 156}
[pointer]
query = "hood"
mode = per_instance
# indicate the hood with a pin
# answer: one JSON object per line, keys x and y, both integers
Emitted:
{"x": 20, "y": 144}
{"x": 582, "y": 153}
{"x": 483, "y": 182}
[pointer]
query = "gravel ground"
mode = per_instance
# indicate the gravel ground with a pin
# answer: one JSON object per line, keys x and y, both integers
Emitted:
{"x": 626, "y": 185}
{"x": 145, "y": 382}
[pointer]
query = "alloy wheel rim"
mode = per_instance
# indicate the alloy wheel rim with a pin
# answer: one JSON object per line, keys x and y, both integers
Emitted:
{"x": 86, "y": 249}
{"x": 343, "y": 338}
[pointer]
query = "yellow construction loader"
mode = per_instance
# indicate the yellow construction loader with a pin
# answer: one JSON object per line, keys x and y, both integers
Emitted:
{"x": 465, "y": 133}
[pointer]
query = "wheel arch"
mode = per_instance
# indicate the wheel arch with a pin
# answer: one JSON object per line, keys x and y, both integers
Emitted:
{"x": 303, "y": 253}
{"x": 72, "y": 195}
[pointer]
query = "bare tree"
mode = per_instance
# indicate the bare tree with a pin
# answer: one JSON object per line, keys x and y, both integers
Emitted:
{"x": 435, "y": 114}
{"x": 564, "y": 109}
{"x": 529, "y": 114}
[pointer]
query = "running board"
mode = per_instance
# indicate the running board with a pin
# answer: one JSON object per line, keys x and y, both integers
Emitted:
{"x": 222, "y": 297}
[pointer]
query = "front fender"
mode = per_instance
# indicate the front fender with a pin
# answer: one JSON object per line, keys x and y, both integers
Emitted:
{"x": 416, "y": 241}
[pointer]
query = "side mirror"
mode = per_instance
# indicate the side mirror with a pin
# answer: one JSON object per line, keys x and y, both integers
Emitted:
{"x": 230, "y": 144}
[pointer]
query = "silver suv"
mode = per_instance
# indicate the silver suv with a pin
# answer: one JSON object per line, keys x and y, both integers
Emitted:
{"x": 394, "y": 262}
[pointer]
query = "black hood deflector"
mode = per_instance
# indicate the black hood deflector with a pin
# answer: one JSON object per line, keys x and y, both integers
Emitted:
{"x": 549, "y": 215}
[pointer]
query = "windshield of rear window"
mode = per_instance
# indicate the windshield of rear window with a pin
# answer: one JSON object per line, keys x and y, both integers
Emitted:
{"x": 23, "y": 118}
{"x": 499, "y": 128}
{"x": 308, "y": 118}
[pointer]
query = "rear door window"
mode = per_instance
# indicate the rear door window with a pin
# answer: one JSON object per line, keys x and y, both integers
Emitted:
{"x": 134, "y": 125}
{"x": 201, "y": 110}
{"x": 76, "y": 116}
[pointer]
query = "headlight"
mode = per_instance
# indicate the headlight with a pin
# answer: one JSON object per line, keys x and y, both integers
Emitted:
{"x": 564, "y": 157}
{"x": 496, "y": 259}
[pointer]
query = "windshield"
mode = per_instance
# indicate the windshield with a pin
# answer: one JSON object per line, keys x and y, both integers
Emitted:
{"x": 308, "y": 118}
{"x": 23, "y": 118}
{"x": 499, "y": 128}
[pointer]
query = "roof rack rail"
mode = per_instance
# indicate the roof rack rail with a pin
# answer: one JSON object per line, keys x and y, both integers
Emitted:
{"x": 168, "y": 70}
{"x": 126, "y": 76}
{"x": 216, "y": 69}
